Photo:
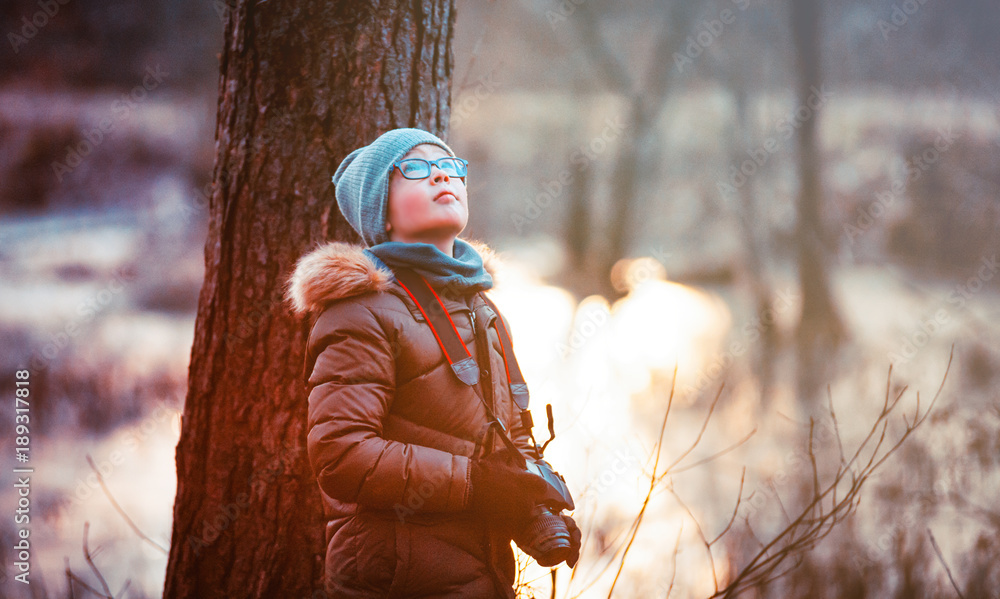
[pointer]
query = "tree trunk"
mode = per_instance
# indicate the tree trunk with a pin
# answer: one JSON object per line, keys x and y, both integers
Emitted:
{"x": 820, "y": 329}
{"x": 640, "y": 132}
{"x": 301, "y": 85}
{"x": 754, "y": 228}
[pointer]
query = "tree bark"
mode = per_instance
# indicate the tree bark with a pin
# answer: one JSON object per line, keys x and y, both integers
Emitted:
{"x": 820, "y": 329}
{"x": 301, "y": 85}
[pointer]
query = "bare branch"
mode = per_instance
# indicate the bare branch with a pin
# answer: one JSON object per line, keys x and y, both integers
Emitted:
{"x": 836, "y": 427}
{"x": 120, "y": 510}
{"x": 937, "y": 550}
{"x": 825, "y": 510}
{"x": 697, "y": 440}
{"x": 125, "y": 586}
{"x": 736, "y": 508}
{"x": 701, "y": 533}
{"x": 673, "y": 561}
{"x": 90, "y": 562}
{"x": 652, "y": 485}
{"x": 812, "y": 459}
{"x": 69, "y": 579}
{"x": 715, "y": 456}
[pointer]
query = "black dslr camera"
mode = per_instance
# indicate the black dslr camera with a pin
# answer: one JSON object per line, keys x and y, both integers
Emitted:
{"x": 546, "y": 538}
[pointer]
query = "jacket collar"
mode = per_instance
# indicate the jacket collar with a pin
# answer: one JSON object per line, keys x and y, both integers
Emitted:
{"x": 336, "y": 270}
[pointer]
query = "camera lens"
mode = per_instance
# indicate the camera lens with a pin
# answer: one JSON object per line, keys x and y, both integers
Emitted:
{"x": 547, "y": 537}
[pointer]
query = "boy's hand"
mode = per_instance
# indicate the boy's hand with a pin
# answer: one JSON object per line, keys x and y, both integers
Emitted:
{"x": 502, "y": 492}
{"x": 575, "y": 539}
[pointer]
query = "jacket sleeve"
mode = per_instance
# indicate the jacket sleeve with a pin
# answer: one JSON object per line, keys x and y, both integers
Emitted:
{"x": 352, "y": 386}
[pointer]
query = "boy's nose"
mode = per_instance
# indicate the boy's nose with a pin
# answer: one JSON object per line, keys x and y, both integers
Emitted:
{"x": 438, "y": 175}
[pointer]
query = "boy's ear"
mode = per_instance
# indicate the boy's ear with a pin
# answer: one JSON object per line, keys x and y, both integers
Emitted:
{"x": 388, "y": 226}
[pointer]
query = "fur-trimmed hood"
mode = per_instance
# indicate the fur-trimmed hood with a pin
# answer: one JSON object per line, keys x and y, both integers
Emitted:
{"x": 335, "y": 270}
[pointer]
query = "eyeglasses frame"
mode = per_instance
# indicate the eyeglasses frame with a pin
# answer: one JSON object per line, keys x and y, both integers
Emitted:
{"x": 434, "y": 163}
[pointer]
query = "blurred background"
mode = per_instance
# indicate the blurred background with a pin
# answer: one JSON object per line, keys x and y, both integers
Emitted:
{"x": 641, "y": 168}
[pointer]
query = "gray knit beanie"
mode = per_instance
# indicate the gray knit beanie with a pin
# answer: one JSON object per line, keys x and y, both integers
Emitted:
{"x": 362, "y": 180}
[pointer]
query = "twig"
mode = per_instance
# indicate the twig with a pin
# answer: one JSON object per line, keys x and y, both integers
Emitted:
{"x": 90, "y": 562}
{"x": 74, "y": 578}
{"x": 812, "y": 459}
{"x": 652, "y": 484}
{"x": 736, "y": 508}
{"x": 69, "y": 579}
{"x": 717, "y": 455}
{"x": 107, "y": 492}
{"x": 125, "y": 586}
{"x": 836, "y": 427}
{"x": 781, "y": 504}
{"x": 704, "y": 540}
{"x": 814, "y": 522}
{"x": 673, "y": 561}
{"x": 937, "y": 550}
{"x": 697, "y": 440}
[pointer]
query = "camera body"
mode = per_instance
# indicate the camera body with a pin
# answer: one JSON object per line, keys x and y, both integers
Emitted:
{"x": 546, "y": 538}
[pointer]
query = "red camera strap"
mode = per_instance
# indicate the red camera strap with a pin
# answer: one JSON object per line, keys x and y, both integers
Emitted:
{"x": 462, "y": 362}
{"x": 518, "y": 388}
{"x": 446, "y": 333}
{"x": 423, "y": 295}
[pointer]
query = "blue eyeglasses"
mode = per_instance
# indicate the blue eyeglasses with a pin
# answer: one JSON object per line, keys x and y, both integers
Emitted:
{"x": 418, "y": 168}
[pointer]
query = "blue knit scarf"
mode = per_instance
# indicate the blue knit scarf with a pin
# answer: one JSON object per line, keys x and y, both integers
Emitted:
{"x": 461, "y": 274}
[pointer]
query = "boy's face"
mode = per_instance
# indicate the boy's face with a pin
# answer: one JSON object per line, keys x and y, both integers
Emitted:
{"x": 430, "y": 210}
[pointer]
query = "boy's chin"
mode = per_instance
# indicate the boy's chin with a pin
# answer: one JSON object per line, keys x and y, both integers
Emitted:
{"x": 444, "y": 229}
{"x": 434, "y": 234}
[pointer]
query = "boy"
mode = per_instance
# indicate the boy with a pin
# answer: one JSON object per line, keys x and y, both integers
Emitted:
{"x": 421, "y": 498}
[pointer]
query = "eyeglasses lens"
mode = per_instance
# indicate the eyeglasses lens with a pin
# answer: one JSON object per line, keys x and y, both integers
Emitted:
{"x": 418, "y": 168}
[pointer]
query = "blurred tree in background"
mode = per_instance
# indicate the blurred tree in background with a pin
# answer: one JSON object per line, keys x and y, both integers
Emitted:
{"x": 819, "y": 330}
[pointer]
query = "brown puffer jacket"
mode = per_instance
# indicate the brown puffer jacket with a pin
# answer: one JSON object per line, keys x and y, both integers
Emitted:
{"x": 392, "y": 432}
